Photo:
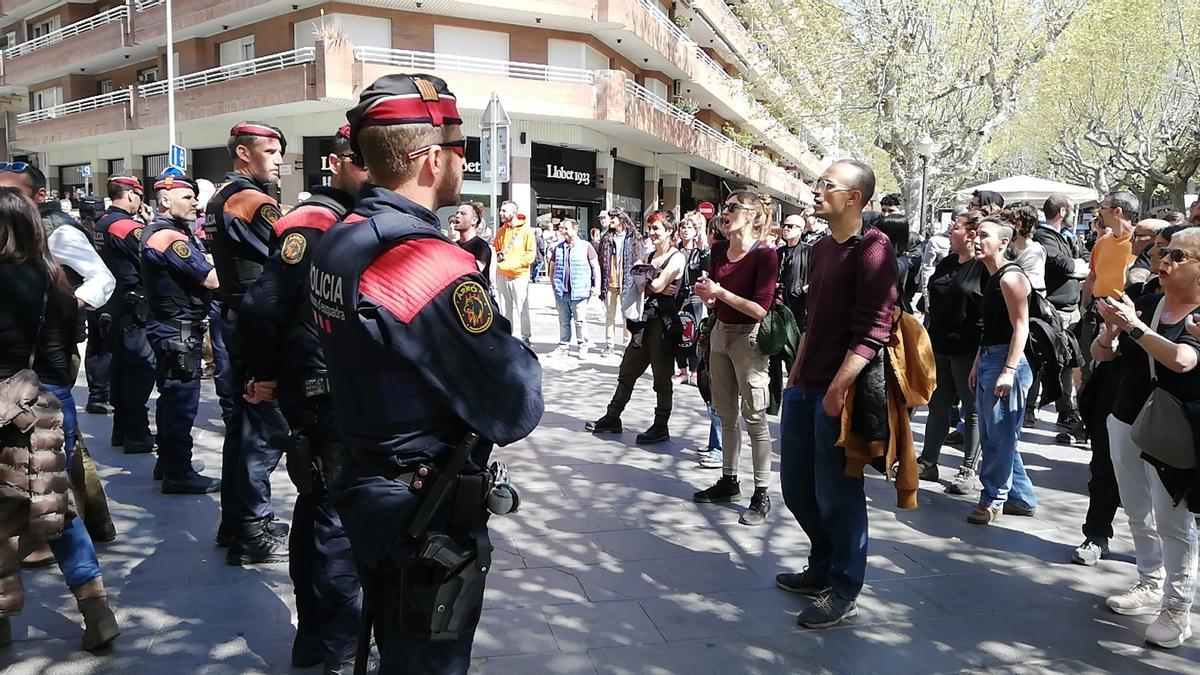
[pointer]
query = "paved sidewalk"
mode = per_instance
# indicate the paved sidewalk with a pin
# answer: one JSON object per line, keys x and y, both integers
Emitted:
{"x": 609, "y": 567}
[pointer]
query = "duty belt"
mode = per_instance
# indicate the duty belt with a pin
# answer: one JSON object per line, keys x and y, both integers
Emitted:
{"x": 185, "y": 329}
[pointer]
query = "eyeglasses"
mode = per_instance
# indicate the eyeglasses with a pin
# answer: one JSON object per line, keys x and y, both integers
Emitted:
{"x": 14, "y": 167}
{"x": 1176, "y": 255}
{"x": 788, "y": 226}
{"x": 458, "y": 147}
{"x": 826, "y": 185}
{"x": 730, "y": 207}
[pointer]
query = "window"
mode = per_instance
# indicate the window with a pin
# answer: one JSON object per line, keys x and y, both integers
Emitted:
{"x": 361, "y": 31}
{"x": 8, "y": 40}
{"x": 148, "y": 75}
{"x": 657, "y": 88}
{"x": 47, "y": 98}
{"x": 42, "y": 27}
{"x": 116, "y": 167}
{"x": 105, "y": 87}
{"x": 236, "y": 51}
{"x": 572, "y": 54}
{"x": 481, "y": 44}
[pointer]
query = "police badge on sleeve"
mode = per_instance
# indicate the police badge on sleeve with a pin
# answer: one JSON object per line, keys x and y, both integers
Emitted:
{"x": 182, "y": 250}
{"x": 473, "y": 307}
{"x": 292, "y": 248}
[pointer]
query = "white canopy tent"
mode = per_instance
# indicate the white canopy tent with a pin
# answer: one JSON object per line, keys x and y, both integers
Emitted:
{"x": 1033, "y": 190}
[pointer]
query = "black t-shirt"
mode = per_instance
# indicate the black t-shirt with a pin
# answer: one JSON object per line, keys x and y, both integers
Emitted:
{"x": 1133, "y": 367}
{"x": 954, "y": 292}
{"x": 482, "y": 252}
{"x": 997, "y": 327}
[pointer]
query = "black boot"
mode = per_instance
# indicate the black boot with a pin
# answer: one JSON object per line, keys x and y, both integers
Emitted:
{"x": 96, "y": 408}
{"x": 254, "y": 544}
{"x": 725, "y": 490}
{"x": 657, "y": 433}
{"x": 609, "y": 424}
{"x": 118, "y": 438}
{"x": 190, "y": 483}
{"x": 276, "y": 528}
{"x": 132, "y": 446}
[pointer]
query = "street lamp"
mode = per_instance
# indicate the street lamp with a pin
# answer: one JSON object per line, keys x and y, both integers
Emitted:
{"x": 924, "y": 147}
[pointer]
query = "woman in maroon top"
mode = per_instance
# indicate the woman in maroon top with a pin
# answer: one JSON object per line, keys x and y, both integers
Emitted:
{"x": 739, "y": 290}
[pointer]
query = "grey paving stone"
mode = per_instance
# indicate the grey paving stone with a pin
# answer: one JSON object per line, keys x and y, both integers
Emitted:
{"x": 510, "y": 631}
{"x": 556, "y": 664}
{"x": 579, "y": 627}
{"x": 531, "y": 588}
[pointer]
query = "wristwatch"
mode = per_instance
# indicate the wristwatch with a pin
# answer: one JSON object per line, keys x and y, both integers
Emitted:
{"x": 1136, "y": 332}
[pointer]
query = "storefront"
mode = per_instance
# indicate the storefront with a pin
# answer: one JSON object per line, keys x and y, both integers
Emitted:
{"x": 474, "y": 189}
{"x": 701, "y": 186}
{"x": 628, "y": 188}
{"x": 71, "y": 182}
{"x": 564, "y": 185}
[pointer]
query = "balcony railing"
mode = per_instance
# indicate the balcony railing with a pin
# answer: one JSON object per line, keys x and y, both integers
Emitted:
{"x": 404, "y": 58}
{"x": 655, "y": 11}
{"x": 640, "y": 93}
{"x": 143, "y": 5}
{"x": 263, "y": 64}
{"x": 118, "y": 13}
{"x": 83, "y": 104}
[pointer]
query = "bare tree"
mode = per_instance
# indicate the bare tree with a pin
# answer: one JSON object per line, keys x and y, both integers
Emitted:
{"x": 884, "y": 72}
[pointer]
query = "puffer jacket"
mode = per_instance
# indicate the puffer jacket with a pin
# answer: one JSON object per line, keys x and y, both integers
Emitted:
{"x": 34, "y": 488}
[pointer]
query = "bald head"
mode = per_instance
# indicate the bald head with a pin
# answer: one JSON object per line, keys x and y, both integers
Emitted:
{"x": 857, "y": 175}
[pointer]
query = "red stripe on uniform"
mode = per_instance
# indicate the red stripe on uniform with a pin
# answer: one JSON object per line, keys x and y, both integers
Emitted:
{"x": 314, "y": 217}
{"x": 407, "y": 277}
{"x": 160, "y": 241}
{"x": 121, "y": 228}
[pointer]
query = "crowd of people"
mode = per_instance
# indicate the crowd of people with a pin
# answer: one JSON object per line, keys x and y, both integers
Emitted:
{"x": 352, "y": 334}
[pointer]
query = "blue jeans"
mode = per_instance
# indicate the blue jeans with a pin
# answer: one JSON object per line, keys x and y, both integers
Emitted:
{"x": 714, "y": 429}
{"x": 830, "y": 506}
{"x": 74, "y": 551}
{"x": 1001, "y": 471}
{"x": 571, "y": 311}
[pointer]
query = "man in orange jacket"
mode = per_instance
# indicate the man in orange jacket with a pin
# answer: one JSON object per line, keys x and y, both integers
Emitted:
{"x": 516, "y": 249}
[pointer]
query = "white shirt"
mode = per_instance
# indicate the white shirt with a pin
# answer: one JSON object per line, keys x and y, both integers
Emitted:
{"x": 71, "y": 248}
{"x": 1033, "y": 261}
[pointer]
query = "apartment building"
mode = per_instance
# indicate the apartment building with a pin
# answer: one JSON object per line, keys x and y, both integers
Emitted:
{"x": 631, "y": 103}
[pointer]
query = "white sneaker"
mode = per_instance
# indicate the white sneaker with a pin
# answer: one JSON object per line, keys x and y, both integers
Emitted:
{"x": 560, "y": 350}
{"x": 1170, "y": 629}
{"x": 1139, "y": 600}
{"x": 1090, "y": 551}
{"x": 964, "y": 482}
{"x": 712, "y": 459}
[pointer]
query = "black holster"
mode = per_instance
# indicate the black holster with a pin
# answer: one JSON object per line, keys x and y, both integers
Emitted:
{"x": 440, "y": 595}
{"x": 135, "y": 303}
{"x": 183, "y": 355}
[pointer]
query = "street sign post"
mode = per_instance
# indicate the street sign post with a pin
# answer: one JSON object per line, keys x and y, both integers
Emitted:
{"x": 493, "y": 150}
{"x": 86, "y": 172}
{"x": 706, "y": 209}
{"x": 178, "y": 157}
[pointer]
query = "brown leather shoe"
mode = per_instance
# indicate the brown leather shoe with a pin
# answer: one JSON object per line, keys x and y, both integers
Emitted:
{"x": 982, "y": 515}
{"x": 1013, "y": 510}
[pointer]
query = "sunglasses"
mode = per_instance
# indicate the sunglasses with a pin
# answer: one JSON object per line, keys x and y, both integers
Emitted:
{"x": 1175, "y": 255}
{"x": 730, "y": 207}
{"x": 458, "y": 147}
{"x": 14, "y": 167}
{"x": 826, "y": 185}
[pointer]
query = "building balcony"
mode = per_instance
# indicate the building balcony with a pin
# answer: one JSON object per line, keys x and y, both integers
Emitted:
{"x": 278, "y": 82}
{"x": 96, "y": 40}
{"x": 328, "y": 79}
{"x": 198, "y": 17}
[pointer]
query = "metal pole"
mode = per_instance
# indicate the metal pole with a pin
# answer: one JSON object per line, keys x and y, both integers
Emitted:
{"x": 170, "y": 80}
{"x": 495, "y": 168}
{"x": 924, "y": 209}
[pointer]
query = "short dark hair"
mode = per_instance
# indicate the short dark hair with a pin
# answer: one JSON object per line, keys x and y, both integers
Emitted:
{"x": 341, "y": 147}
{"x": 1171, "y": 216}
{"x": 890, "y": 199}
{"x": 895, "y": 226}
{"x": 1023, "y": 218}
{"x": 1127, "y": 202}
{"x": 1170, "y": 231}
{"x": 118, "y": 190}
{"x": 1054, "y": 205}
{"x": 864, "y": 178}
{"x": 246, "y": 139}
{"x": 667, "y": 218}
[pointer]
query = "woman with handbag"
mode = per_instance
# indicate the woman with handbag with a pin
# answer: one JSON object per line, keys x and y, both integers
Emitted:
{"x": 37, "y": 317}
{"x": 739, "y": 290}
{"x": 655, "y": 337}
{"x": 1156, "y": 359}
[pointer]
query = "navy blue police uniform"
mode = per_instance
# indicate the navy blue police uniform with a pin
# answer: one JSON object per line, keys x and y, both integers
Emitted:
{"x": 133, "y": 365}
{"x": 239, "y": 221}
{"x": 97, "y": 360}
{"x": 287, "y": 350}
{"x": 173, "y": 270}
{"x": 421, "y": 366}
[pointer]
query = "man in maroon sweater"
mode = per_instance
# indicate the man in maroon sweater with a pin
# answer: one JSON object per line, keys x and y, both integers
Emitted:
{"x": 851, "y": 294}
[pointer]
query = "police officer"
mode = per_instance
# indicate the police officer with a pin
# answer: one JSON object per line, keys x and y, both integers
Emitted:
{"x": 285, "y": 361}
{"x": 97, "y": 360}
{"x": 417, "y": 355}
{"x": 120, "y": 230}
{"x": 179, "y": 282}
{"x": 239, "y": 221}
